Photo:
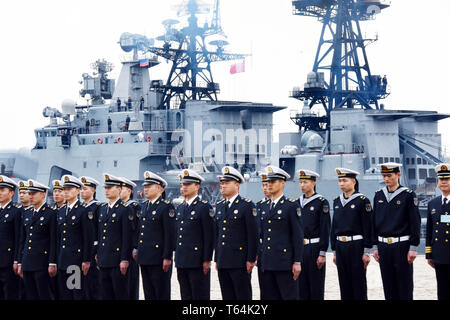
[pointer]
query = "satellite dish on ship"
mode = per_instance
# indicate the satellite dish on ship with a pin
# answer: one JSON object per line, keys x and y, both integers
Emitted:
{"x": 68, "y": 107}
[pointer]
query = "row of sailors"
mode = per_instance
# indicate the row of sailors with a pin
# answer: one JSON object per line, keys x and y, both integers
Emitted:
{"x": 287, "y": 239}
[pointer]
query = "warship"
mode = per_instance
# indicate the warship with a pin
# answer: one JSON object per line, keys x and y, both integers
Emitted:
{"x": 140, "y": 123}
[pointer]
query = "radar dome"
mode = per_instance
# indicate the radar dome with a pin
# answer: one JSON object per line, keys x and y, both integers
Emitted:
{"x": 68, "y": 106}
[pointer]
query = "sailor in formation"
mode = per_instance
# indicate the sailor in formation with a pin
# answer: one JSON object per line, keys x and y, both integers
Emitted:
{"x": 437, "y": 233}
{"x": 155, "y": 242}
{"x": 74, "y": 239}
{"x": 261, "y": 208}
{"x": 10, "y": 220}
{"x": 126, "y": 195}
{"x": 37, "y": 246}
{"x": 114, "y": 242}
{"x": 316, "y": 225}
{"x": 194, "y": 240}
{"x": 236, "y": 238}
{"x": 88, "y": 195}
{"x": 351, "y": 236}
{"x": 282, "y": 241}
{"x": 396, "y": 233}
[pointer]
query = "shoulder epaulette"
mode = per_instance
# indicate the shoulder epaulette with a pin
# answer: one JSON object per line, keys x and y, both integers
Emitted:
{"x": 221, "y": 201}
{"x": 204, "y": 201}
{"x": 363, "y": 197}
{"x": 125, "y": 204}
{"x": 260, "y": 201}
{"x": 18, "y": 205}
{"x": 247, "y": 200}
{"x": 268, "y": 201}
{"x": 322, "y": 199}
{"x": 291, "y": 200}
{"x": 166, "y": 201}
{"x": 104, "y": 204}
{"x": 409, "y": 190}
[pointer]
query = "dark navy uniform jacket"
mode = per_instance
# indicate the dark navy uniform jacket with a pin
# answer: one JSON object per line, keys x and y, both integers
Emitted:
{"x": 156, "y": 232}
{"x": 282, "y": 234}
{"x": 261, "y": 208}
{"x": 10, "y": 220}
{"x": 316, "y": 219}
{"x": 396, "y": 214}
{"x": 114, "y": 234}
{"x": 74, "y": 236}
{"x": 195, "y": 234}
{"x": 92, "y": 209}
{"x": 236, "y": 233}
{"x": 438, "y": 232}
{"x": 351, "y": 217}
{"x": 38, "y": 239}
{"x": 137, "y": 210}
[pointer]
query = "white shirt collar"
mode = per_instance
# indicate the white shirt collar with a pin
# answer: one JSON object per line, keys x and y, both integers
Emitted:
{"x": 448, "y": 199}
{"x": 276, "y": 200}
{"x": 72, "y": 205}
{"x": 113, "y": 204}
{"x": 189, "y": 202}
{"x": 232, "y": 199}
{"x": 3, "y": 207}
{"x": 39, "y": 207}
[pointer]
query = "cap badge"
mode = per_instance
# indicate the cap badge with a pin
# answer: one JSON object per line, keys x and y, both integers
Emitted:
{"x": 66, "y": 179}
{"x": 444, "y": 168}
{"x": 186, "y": 173}
{"x": 227, "y": 170}
{"x": 270, "y": 170}
{"x": 147, "y": 175}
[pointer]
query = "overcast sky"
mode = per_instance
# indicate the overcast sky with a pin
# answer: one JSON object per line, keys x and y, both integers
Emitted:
{"x": 48, "y": 44}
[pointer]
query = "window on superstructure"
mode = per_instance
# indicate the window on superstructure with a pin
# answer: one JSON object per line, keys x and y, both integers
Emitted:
{"x": 397, "y": 160}
{"x": 386, "y": 159}
{"x": 391, "y": 159}
{"x": 412, "y": 174}
{"x": 407, "y": 160}
{"x": 98, "y": 164}
{"x": 380, "y": 160}
{"x": 422, "y": 173}
{"x": 424, "y": 161}
{"x": 413, "y": 160}
{"x": 419, "y": 160}
{"x": 431, "y": 173}
{"x": 115, "y": 163}
{"x": 373, "y": 160}
{"x": 84, "y": 164}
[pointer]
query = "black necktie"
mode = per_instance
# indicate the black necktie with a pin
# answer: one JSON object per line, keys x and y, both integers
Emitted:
{"x": 272, "y": 205}
{"x": 445, "y": 201}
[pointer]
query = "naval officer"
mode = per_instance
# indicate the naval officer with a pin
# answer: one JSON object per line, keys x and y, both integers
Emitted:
{"x": 24, "y": 196}
{"x": 351, "y": 236}
{"x": 37, "y": 258}
{"x": 236, "y": 238}
{"x": 88, "y": 195}
{"x": 58, "y": 194}
{"x": 437, "y": 236}
{"x": 24, "y": 199}
{"x": 194, "y": 240}
{"x": 74, "y": 240}
{"x": 156, "y": 239}
{"x": 282, "y": 247}
{"x": 114, "y": 242}
{"x": 10, "y": 220}
{"x": 261, "y": 208}
{"x": 316, "y": 225}
{"x": 133, "y": 270}
{"x": 396, "y": 232}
